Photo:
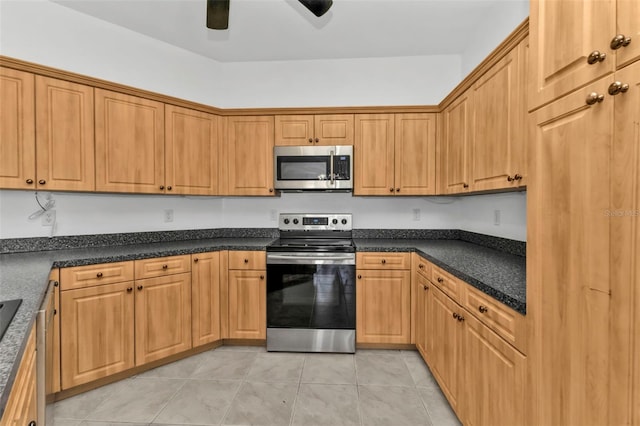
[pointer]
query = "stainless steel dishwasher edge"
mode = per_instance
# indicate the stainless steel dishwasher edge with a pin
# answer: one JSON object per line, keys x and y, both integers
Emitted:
{"x": 44, "y": 354}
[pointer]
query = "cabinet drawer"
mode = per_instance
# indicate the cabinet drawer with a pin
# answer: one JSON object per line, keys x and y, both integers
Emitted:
{"x": 247, "y": 260}
{"x": 380, "y": 260}
{"x": 421, "y": 266}
{"x": 91, "y": 275}
{"x": 161, "y": 266}
{"x": 450, "y": 285}
{"x": 506, "y": 322}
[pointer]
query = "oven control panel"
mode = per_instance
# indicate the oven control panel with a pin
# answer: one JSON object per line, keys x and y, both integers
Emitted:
{"x": 315, "y": 222}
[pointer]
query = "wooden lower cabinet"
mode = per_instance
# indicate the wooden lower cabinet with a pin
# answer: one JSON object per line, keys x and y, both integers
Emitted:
{"x": 97, "y": 332}
{"x": 21, "y": 408}
{"x": 383, "y": 305}
{"x": 247, "y": 304}
{"x": 494, "y": 379}
{"x": 205, "y": 298}
{"x": 162, "y": 317}
{"x": 422, "y": 293}
{"x": 446, "y": 351}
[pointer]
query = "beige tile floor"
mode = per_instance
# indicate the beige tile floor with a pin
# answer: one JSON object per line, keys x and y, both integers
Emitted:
{"x": 249, "y": 386}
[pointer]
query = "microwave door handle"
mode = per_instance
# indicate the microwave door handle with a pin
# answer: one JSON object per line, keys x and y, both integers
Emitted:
{"x": 331, "y": 168}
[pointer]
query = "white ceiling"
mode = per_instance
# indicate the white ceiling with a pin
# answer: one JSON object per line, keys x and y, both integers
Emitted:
{"x": 272, "y": 30}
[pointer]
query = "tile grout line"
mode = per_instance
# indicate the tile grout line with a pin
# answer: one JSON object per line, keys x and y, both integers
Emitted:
{"x": 295, "y": 399}
{"x": 242, "y": 383}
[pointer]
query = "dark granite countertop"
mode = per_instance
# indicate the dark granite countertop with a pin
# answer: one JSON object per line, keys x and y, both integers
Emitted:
{"x": 25, "y": 274}
{"x": 500, "y": 275}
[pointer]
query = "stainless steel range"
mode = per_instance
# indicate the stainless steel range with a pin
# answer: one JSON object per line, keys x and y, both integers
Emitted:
{"x": 311, "y": 296}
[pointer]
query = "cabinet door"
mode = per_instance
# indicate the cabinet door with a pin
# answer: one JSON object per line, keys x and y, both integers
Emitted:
{"x": 421, "y": 289}
{"x": 129, "y": 143}
{"x": 247, "y": 305}
{"x": 628, "y": 24}
{"x": 374, "y": 161}
{"x": 64, "y": 135}
{"x": 383, "y": 306}
{"x": 249, "y": 157}
{"x": 456, "y": 138}
{"x": 17, "y": 130}
{"x": 21, "y": 408}
{"x": 446, "y": 349}
{"x": 494, "y": 378}
{"x": 96, "y": 332}
{"x": 625, "y": 268}
{"x": 191, "y": 151}
{"x": 498, "y": 127}
{"x": 334, "y": 129}
{"x": 415, "y": 154}
{"x": 563, "y": 35}
{"x": 568, "y": 282}
{"x": 294, "y": 130}
{"x": 205, "y": 298}
{"x": 163, "y": 317}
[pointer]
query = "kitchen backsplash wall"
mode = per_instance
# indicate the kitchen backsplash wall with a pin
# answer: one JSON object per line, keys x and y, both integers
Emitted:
{"x": 80, "y": 213}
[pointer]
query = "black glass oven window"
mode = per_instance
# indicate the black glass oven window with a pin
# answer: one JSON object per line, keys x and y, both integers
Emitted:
{"x": 311, "y": 296}
{"x": 303, "y": 168}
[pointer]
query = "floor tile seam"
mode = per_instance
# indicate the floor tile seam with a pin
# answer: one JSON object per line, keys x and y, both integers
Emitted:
{"x": 235, "y": 395}
{"x": 184, "y": 381}
{"x": 86, "y": 417}
{"x": 293, "y": 406}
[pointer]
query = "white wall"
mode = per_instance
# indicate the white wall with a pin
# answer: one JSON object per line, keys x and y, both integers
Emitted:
{"x": 49, "y": 34}
{"x": 78, "y": 214}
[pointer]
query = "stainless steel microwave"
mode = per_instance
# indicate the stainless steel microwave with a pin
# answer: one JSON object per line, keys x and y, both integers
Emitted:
{"x": 313, "y": 168}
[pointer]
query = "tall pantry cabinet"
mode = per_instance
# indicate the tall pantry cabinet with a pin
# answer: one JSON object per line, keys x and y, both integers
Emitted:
{"x": 583, "y": 282}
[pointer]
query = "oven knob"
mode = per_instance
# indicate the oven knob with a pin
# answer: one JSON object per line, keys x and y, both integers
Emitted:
{"x": 295, "y": 221}
{"x": 334, "y": 221}
{"x": 344, "y": 221}
{"x": 286, "y": 221}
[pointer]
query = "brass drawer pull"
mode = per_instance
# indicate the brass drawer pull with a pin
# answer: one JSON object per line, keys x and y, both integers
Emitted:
{"x": 440, "y": 280}
{"x": 483, "y": 309}
{"x": 140, "y": 287}
{"x": 99, "y": 275}
{"x": 165, "y": 266}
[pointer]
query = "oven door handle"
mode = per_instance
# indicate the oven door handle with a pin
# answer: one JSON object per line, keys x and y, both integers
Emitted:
{"x": 311, "y": 258}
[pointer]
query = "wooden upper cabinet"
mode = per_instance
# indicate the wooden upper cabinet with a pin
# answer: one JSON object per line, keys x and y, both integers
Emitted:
{"x": 499, "y": 133}
{"x": 374, "y": 154}
{"x": 415, "y": 154}
{"x": 564, "y": 33}
{"x": 64, "y": 135}
{"x": 129, "y": 143}
{"x": 191, "y": 151}
{"x": 17, "y": 130}
{"x": 299, "y": 130}
{"x": 628, "y": 25}
{"x": 248, "y": 156}
{"x": 454, "y": 149}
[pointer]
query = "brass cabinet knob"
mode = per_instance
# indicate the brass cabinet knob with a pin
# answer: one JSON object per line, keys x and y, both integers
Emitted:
{"x": 397, "y": 189}
{"x": 425, "y": 288}
{"x": 517, "y": 176}
{"x": 455, "y": 315}
{"x": 359, "y": 277}
{"x": 270, "y": 189}
{"x": 440, "y": 280}
{"x": 29, "y": 181}
{"x": 310, "y": 140}
{"x": 129, "y": 289}
{"x": 421, "y": 266}
{"x": 56, "y": 283}
{"x": 619, "y": 41}
{"x": 595, "y": 57}
{"x": 42, "y": 181}
{"x": 99, "y": 275}
{"x": 617, "y": 87}
{"x": 140, "y": 287}
{"x": 262, "y": 277}
{"x": 161, "y": 186}
{"x": 246, "y": 261}
{"x": 317, "y": 140}
{"x": 483, "y": 309}
{"x": 165, "y": 266}
{"x": 169, "y": 188}
{"x": 32, "y": 423}
{"x": 460, "y": 318}
{"x": 510, "y": 179}
{"x": 593, "y": 98}
{"x": 465, "y": 185}
{"x": 383, "y": 261}
{"x": 390, "y": 189}
{"x": 195, "y": 260}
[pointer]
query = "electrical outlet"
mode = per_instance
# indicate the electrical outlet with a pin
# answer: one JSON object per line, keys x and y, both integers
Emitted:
{"x": 496, "y": 217}
{"x": 168, "y": 215}
{"x": 416, "y": 214}
{"x": 48, "y": 218}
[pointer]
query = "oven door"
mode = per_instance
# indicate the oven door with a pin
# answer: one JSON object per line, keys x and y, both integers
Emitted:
{"x": 311, "y": 302}
{"x": 299, "y": 168}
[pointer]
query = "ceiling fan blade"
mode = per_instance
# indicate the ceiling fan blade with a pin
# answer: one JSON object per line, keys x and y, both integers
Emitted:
{"x": 218, "y": 14}
{"x": 317, "y": 7}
